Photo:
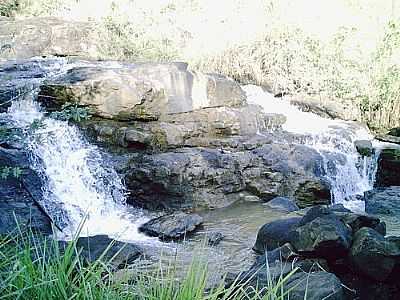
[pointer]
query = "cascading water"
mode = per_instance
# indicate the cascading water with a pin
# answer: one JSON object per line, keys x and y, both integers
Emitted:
{"x": 79, "y": 184}
{"x": 348, "y": 174}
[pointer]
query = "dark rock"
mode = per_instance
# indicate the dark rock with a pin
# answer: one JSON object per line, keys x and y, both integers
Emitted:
{"x": 214, "y": 238}
{"x": 388, "y": 168}
{"x": 173, "y": 226}
{"x": 17, "y": 205}
{"x": 116, "y": 253}
{"x": 357, "y": 221}
{"x": 395, "y": 131}
{"x": 209, "y": 178}
{"x": 275, "y": 234}
{"x": 372, "y": 255}
{"x": 321, "y": 234}
{"x": 315, "y": 286}
{"x": 281, "y": 254}
{"x": 282, "y": 203}
{"x": 364, "y": 147}
{"x": 339, "y": 208}
{"x": 383, "y": 201}
{"x": 388, "y": 138}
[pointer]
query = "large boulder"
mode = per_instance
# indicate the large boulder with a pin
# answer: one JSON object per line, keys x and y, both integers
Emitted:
{"x": 388, "y": 167}
{"x": 321, "y": 234}
{"x": 115, "y": 253}
{"x": 173, "y": 226}
{"x": 374, "y": 256}
{"x": 275, "y": 234}
{"x": 33, "y": 37}
{"x": 18, "y": 196}
{"x": 146, "y": 91}
{"x": 211, "y": 178}
{"x": 315, "y": 286}
{"x": 383, "y": 201}
{"x": 364, "y": 147}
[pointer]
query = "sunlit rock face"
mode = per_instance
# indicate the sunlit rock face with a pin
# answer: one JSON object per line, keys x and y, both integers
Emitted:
{"x": 20, "y": 39}
{"x": 144, "y": 92}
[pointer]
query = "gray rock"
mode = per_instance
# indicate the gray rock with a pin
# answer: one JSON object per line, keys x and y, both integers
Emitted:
{"x": 372, "y": 255}
{"x": 388, "y": 168}
{"x": 275, "y": 234}
{"x": 115, "y": 253}
{"x": 383, "y": 201}
{"x": 173, "y": 226}
{"x": 214, "y": 238}
{"x": 282, "y": 203}
{"x": 321, "y": 234}
{"x": 146, "y": 91}
{"x": 315, "y": 286}
{"x": 364, "y": 147}
{"x": 45, "y": 36}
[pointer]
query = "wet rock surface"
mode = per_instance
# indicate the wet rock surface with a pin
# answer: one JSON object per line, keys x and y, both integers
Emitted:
{"x": 383, "y": 201}
{"x": 283, "y": 204}
{"x": 18, "y": 196}
{"x": 353, "y": 246}
{"x": 388, "y": 168}
{"x": 115, "y": 253}
{"x": 173, "y": 226}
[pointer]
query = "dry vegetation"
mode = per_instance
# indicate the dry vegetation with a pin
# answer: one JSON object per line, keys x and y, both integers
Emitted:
{"x": 346, "y": 50}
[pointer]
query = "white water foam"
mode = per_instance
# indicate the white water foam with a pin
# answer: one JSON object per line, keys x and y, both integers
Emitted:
{"x": 348, "y": 174}
{"x": 80, "y": 185}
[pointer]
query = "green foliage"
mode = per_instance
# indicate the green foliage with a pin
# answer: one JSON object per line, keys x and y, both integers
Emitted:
{"x": 7, "y": 172}
{"x": 9, "y": 7}
{"x": 34, "y": 267}
{"x": 71, "y": 112}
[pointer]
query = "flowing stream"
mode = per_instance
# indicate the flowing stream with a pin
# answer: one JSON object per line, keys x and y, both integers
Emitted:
{"x": 348, "y": 173}
{"x": 82, "y": 191}
{"x": 82, "y": 186}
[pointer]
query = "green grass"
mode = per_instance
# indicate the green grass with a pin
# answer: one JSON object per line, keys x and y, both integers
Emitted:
{"x": 34, "y": 267}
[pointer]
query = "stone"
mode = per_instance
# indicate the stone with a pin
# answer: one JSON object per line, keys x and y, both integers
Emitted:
{"x": 145, "y": 91}
{"x": 275, "y": 234}
{"x": 172, "y": 226}
{"x": 18, "y": 204}
{"x": 115, "y": 253}
{"x": 388, "y": 138}
{"x": 364, "y": 147}
{"x": 321, "y": 234}
{"x": 388, "y": 168}
{"x": 214, "y": 238}
{"x": 202, "y": 178}
{"x": 45, "y": 36}
{"x": 282, "y": 203}
{"x": 315, "y": 286}
{"x": 383, "y": 201}
{"x": 372, "y": 255}
{"x": 394, "y": 131}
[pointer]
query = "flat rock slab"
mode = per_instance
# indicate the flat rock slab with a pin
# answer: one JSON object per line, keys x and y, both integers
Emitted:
{"x": 115, "y": 253}
{"x": 173, "y": 226}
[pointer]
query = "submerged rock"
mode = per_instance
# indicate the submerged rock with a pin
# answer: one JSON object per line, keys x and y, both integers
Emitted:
{"x": 173, "y": 226}
{"x": 214, "y": 238}
{"x": 116, "y": 253}
{"x": 282, "y": 203}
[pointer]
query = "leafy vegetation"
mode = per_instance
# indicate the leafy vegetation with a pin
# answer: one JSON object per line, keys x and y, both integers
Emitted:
{"x": 71, "y": 112}
{"x": 7, "y": 172}
{"x": 34, "y": 267}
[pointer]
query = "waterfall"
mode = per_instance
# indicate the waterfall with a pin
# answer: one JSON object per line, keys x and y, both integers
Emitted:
{"x": 80, "y": 184}
{"x": 348, "y": 173}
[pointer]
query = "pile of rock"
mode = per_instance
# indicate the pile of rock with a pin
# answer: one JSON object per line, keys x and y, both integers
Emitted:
{"x": 352, "y": 247}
